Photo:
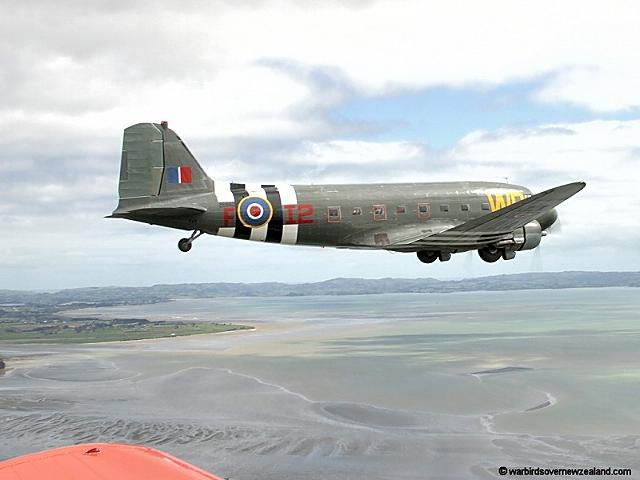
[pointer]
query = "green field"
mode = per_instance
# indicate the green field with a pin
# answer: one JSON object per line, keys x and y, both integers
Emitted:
{"x": 40, "y": 327}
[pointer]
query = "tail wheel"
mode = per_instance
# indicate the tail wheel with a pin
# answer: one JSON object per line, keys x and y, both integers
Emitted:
{"x": 426, "y": 256}
{"x": 490, "y": 255}
{"x": 184, "y": 244}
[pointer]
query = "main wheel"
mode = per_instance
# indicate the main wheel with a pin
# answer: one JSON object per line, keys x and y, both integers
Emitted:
{"x": 490, "y": 255}
{"x": 426, "y": 256}
{"x": 184, "y": 244}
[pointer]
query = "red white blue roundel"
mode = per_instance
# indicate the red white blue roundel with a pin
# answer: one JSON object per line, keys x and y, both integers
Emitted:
{"x": 254, "y": 211}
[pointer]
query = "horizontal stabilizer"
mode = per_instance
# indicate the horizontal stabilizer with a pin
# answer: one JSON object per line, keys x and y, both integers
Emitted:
{"x": 159, "y": 212}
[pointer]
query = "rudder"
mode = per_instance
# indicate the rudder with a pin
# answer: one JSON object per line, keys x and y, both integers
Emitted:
{"x": 142, "y": 161}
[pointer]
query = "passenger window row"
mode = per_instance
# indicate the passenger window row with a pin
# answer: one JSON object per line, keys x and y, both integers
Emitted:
{"x": 334, "y": 214}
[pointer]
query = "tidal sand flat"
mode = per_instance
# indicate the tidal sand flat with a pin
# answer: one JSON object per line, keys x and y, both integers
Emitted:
{"x": 405, "y": 386}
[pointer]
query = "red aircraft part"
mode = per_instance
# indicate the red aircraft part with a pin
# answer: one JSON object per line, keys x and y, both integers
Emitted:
{"x": 101, "y": 461}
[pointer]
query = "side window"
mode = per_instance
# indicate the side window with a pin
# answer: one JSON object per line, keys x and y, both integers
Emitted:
{"x": 334, "y": 214}
{"x": 379, "y": 212}
{"x": 424, "y": 211}
{"x": 356, "y": 211}
{"x": 400, "y": 209}
{"x": 464, "y": 207}
{"x": 444, "y": 208}
{"x": 485, "y": 206}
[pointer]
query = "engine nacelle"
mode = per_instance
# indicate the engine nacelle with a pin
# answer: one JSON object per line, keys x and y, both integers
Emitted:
{"x": 548, "y": 218}
{"x": 528, "y": 237}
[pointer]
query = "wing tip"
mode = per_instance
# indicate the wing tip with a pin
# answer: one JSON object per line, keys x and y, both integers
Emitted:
{"x": 578, "y": 185}
{"x": 573, "y": 187}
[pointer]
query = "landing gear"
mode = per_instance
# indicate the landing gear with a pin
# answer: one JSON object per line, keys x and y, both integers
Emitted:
{"x": 185, "y": 243}
{"x": 508, "y": 254}
{"x": 428, "y": 256}
{"x": 493, "y": 254}
{"x": 490, "y": 254}
{"x": 444, "y": 256}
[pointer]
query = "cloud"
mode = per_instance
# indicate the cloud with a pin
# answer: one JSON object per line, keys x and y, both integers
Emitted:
{"x": 577, "y": 45}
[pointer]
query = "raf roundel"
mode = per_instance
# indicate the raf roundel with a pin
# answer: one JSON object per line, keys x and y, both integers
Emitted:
{"x": 254, "y": 212}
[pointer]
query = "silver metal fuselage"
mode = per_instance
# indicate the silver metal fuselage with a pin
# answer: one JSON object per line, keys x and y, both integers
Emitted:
{"x": 360, "y": 216}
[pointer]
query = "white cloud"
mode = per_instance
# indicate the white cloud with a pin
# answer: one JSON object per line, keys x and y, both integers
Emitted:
{"x": 601, "y": 88}
{"x": 348, "y": 153}
{"x": 384, "y": 46}
{"x": 199, "y": 63}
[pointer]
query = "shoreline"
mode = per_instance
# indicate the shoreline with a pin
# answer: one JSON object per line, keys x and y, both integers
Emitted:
{"x": 237, "y": 330}
{"x": 27, "y": 342}
{"x": 78, "y": 313}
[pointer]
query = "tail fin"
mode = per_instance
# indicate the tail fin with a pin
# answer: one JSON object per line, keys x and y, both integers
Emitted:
{"x": 158, "y": 173}
{"x": 156, "y": 162}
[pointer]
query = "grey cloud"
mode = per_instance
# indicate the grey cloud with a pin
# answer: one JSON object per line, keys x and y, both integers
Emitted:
{"x": 97, "y": 48}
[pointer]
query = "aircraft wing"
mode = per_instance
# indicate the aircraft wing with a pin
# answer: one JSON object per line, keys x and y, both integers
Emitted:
{"x": 494, "y": 226}
{"x": 100, "y": 461}
{"x": 405, "y": 235}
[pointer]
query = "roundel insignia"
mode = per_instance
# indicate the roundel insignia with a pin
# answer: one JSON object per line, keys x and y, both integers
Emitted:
{"x": 254, "y": 211}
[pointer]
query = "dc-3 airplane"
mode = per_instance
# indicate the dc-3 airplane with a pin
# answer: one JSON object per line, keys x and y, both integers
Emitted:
{"x": 161, "y": 183}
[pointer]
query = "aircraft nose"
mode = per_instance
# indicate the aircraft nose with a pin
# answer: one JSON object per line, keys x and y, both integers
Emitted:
{"x": 548, "y": 218}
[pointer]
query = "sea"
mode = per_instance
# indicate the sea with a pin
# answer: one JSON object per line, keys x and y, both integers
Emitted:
{"x": 402, "y": 386}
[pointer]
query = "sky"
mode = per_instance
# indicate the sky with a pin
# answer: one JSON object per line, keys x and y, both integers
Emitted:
{"x": 541, "y": 93}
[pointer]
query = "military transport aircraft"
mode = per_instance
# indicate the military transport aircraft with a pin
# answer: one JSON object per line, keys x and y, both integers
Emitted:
{"x": 161, "y": 183}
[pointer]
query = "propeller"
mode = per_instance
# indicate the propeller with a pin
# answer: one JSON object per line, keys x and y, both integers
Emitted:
{"x": 555, "y": 228}
{"x": 536, "y": 259}
{"x": 469, "y": 262}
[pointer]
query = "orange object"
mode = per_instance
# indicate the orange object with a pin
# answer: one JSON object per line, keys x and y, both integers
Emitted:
{"x": 101, "y": 461}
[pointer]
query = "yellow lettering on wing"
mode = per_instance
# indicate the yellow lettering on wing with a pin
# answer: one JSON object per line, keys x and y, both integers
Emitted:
{"x": 499, "y": 200}
{"x": 492, "y": 202}
{"x": 515, "y": 197}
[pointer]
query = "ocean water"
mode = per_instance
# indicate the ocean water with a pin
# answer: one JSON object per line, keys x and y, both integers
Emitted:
{"x": 371, "y": 386}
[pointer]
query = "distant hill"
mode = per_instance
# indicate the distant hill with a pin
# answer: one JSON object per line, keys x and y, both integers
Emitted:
{"x": 102, "y": 296}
